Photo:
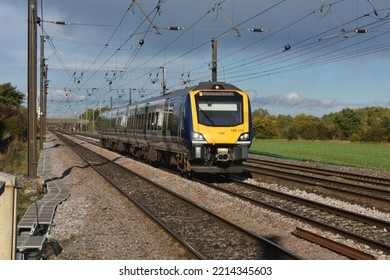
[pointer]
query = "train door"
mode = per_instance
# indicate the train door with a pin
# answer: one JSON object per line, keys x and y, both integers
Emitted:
{"x": 165, "y": 119}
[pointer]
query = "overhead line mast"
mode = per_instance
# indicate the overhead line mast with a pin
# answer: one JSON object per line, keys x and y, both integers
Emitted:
{"x": 214, "y": 54}
{"x": 32, "y": 87}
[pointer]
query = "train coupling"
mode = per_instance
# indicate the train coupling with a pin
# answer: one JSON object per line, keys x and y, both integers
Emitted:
{"x": 222, "y": 154}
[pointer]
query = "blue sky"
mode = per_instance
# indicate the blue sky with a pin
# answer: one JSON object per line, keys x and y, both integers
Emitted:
{"x": 97, "y": 56}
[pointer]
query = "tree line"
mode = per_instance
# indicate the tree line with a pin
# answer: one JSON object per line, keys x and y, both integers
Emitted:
{"x": 369, "y": 124}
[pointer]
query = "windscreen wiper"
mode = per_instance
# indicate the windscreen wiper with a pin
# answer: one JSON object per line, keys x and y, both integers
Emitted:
{"x": 204, "y": 113}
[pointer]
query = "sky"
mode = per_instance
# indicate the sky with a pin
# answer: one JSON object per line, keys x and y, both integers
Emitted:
{"x": 312, "y": 56}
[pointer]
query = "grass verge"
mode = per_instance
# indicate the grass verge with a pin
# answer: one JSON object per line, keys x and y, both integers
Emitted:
{"x": 376, "y": 156}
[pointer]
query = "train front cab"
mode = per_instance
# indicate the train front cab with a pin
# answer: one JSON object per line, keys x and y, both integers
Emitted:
{"x": 222, "y": 129}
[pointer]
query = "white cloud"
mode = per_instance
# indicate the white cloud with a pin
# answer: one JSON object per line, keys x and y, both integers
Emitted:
{"x": 294, "y": 99}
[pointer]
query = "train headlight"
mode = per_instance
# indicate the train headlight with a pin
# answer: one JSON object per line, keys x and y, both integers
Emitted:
{"x": 244, "y": 137}
{"x": 198, "y": 137}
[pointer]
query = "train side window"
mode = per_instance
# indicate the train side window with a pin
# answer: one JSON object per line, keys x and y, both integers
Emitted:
{"x": 130, "y": 122}
{"x": 118, "y": 119}
{"x": 151, "y": 121}
{"x": 148, "y": 122}
{"x": 139, "y": 121}
{"x": 136, "y": 122}
{"x": 156, "y": 126}
{"x": 142, "y": 121}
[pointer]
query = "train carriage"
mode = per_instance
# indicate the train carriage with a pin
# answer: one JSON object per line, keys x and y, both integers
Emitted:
{"x": 206, "y": 128}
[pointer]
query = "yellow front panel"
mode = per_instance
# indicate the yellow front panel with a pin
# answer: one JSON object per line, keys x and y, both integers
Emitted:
{"x": 221, "y": 135}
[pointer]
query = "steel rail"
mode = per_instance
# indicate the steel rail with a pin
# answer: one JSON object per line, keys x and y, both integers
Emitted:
{"x": 337, "y": 247}
{"x": 380, "y": 194}
{"x": 323, "y": 171}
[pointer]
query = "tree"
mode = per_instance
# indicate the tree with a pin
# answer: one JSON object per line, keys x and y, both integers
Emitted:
{"x": 283, "y": 123}
{"x": 264, "y": 128}
{"x": 349, "y": 122}
{"x": 10, "y": 96}
{"x": 12, "y": 122}
{"x": 369, "y": 124}
{"x": 306, "y": 127}
{"x": 264, "y": 125}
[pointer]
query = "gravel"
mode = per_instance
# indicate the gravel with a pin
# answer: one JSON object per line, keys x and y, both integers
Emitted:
{"x": 96, "y": 222}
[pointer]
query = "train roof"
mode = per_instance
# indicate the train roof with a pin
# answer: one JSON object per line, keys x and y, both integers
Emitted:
{"x": 215, "y": 86}
{"x": 175, "y": 93}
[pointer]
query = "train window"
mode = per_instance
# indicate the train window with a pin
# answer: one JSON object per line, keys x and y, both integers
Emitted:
{"x": 137, "y": 125}
{"x": 149, "y": 121}
{"x": 155, "y": 123}
{"x": 219, "y": 109}
{"x": 118, "y": 119}
{"x": 130, "y": 122}
{"x": 123, "y": 122}
{"x": 142, "y": 121}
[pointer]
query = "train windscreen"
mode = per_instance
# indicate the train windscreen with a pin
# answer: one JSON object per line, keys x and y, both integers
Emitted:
{"x": 219, "y": 108}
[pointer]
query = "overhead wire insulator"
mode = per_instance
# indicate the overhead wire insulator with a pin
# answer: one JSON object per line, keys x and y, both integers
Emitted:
{"x": 56, "y": 22}
{"x": 174, "y": 28}
{"x": 361, "y": 30}
{"x": 257, "y": 30}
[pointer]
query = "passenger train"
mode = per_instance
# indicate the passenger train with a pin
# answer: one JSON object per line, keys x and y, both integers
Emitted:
{"x": 204, "y": 129}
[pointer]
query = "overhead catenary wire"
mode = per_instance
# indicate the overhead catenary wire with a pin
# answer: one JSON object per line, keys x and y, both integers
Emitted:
{"x": 309, "y": 49}
{"x": 98, "y": 56}
{"x": 265, "y": 58}
{"x": 202, "y": 44}
{"x": 305, "y": 53}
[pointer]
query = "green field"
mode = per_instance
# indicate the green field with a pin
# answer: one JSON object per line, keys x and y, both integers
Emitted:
{"x": 375, "y": 156}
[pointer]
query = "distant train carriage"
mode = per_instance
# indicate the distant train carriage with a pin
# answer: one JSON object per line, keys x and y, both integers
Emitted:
{"x": 206, "y": 128}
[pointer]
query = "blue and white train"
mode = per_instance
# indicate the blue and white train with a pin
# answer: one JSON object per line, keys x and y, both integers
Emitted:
{"x": 204, "y": 129}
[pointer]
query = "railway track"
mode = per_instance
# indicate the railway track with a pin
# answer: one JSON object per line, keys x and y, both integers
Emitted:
{"x": 375, "y": 180}
{"x": 368, "y": 187}
{"x": 371, "y": 231}
{"x": 206, "y": 234}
